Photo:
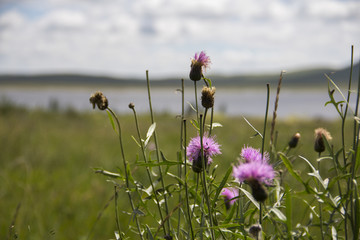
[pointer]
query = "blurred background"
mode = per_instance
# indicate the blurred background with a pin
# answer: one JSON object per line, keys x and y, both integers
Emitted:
{"x": 40, "y": 41}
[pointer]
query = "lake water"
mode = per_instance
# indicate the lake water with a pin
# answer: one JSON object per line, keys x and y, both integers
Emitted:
{"x": 303, "y": 103}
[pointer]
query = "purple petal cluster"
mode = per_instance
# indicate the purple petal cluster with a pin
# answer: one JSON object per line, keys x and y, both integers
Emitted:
{"x": 210, "y": 148}
{"x": 255, "y": 167}
{"x": 201, "y": 59}
{"x": 249, "y": 154}
{"x": 230, "y": 193}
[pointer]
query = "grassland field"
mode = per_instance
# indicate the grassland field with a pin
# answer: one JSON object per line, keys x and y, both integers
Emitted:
{"x": 49, "y": 189}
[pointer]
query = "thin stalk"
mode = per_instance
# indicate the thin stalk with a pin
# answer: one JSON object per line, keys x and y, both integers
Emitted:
{"x": 196, "y": 103}
{"x": 157, "y": 151}
{"x": 266, "y": 116}
{"x": 125, "y": 169}
{"x": 204, "y": 120}
{"x": 116, "y": 213}
{"x": 206, "y": 195}
{"x": 211, "y": 120}
{"x": 320, "y": 205}
{"x": 186, "y": 187}
{"x": 181, "y": 149}
{"x": 147, "y": 168}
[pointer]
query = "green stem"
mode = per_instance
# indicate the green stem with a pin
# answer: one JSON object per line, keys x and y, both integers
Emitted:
{"x": 196, "y": 104}
{"x": 186, "y": 186}
{"x": 147, "y": 168}
{"x": 266, "y": 116}
{"x": 116, "y": 213}
{"x": 158, "y": 151}
{"x": 125, "y": 169}
{"x": 211, "y": 120}
{"x": 204, "y": 179}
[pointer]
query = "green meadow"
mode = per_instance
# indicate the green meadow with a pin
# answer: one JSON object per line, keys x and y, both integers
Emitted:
{"x": 49, "y": 187}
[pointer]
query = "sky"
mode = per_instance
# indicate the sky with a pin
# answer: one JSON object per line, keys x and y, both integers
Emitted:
{"x": 124, "y": 38}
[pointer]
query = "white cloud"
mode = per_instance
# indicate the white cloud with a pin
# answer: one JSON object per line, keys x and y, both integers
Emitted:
{"x": 128, "y": 37}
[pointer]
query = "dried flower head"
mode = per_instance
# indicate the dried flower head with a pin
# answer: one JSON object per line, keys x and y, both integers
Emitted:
{"x": 207, "y": 97}
{"x": 199, "y": 63}
{"x": 99, "y": 99}
{"x": 294, "y": 140}
{"x": 229, "y": 194}
{"x": 210, "y": 148}
{"x": 319, "y": 145}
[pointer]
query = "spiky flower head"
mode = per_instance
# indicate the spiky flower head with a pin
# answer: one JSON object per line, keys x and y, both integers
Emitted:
{"x": 249, "y": 154}
{"x": 210, "y": 149}
{"x": 207, "y": 97}
{"x": 255, "y": 171}
{"x": 199, "y": 63}
{"x": 319, "y": 145}
{"x": 229, "y": 194}
{"x": 100, "y": 100}
{"x": 294, "y": 140}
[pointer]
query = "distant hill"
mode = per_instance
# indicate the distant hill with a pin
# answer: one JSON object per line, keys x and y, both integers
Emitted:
{"x": 307, "y": 77}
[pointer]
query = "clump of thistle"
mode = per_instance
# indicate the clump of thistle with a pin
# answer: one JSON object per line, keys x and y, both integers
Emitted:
{"x": 255, "y": 171}
{"x": 100, "y": 100}
{"x": 294, "y": 140}
{"x": 210, "y": 149}
{"x": 199, "y": 63}
{"x": 319, "y": 145}
{"x": 229, "y": 194}
{"x": 207, "y": 97}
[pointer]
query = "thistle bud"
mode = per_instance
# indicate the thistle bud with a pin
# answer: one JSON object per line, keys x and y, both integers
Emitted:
{"x": 197, "y": 165}
{"x": 131, "y": 105}
{"x": 258, "y": 190}
{"x": 319, "y": 145}
{"x": 294, "y": 140}
{"x": 207, "y": 97}
{"x": 100, "y": 100}
{"x": 198, "y": 63}
{"x": 254, "y": 230}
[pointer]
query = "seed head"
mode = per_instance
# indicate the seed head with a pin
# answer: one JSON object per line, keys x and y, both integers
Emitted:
{"x": 100, "y": 100}
{"x": 319, "y": 145}
{"x": 207, "y": 97}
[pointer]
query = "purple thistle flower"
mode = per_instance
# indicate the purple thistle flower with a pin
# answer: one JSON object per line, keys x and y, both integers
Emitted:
{"x": 210, "y": 148}
{"x": 229, "y": 194}
{"x": 250, "y": 154}
{"x": 260, "y": 171}
{"x": 198, "y": 63}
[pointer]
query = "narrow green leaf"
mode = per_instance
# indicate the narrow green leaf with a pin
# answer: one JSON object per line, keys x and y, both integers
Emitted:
{"x": 195, "y": 124}
{"x": 288, "y": 208}
{"x": 334, "y": 233}
{"x": 278, "y": 213}
{"x": 149, "y": 133}
{"x": 112, "y": 121}
{"x": 149, "y": 234}
{"x": 253, "y": 127}
{"x": 356, "y": 211}
{"x": 222, "y": 184}
{"x": 107, "y": 173}
{"x": 136, "y": 141}
{"x": 289, "y": 167}
{"x": 251, "y": 198}
{"x": 208, "y": 81}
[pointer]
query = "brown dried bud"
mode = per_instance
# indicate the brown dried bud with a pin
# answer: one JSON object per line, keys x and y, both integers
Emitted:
{"x": 195, "y": 72}
{"x": 100, "y": 100}
{"x": 207, "y": 97}
{"x": 254, "y": 230}
{"x": 319, "y": 145}
{"x": 294, "y": 140}
{"x": 131, "y": 105}
{"x": 258, "y": 190}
